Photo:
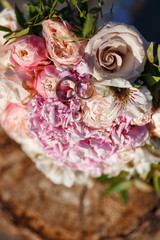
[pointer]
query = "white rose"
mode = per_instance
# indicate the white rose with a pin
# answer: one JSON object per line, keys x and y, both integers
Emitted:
{"x": 116, "y": 51}
{"x": 7, "y": 19}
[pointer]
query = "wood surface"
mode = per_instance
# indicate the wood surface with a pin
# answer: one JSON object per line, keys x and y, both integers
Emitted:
{"x": 33, "y": 208}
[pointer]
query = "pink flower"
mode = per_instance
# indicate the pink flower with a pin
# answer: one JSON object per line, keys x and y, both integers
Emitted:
{"x": 67, "y": 140}
{"x": 62, "y": 51}
{"x": 28, "y": 52}
{"x": 155, "y": 129}
{"x": 14, "y": 119}
{"x": 46, "y": 80}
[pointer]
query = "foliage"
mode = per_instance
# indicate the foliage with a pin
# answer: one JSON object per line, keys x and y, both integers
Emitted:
{"x": 151, "y": 74}
{"x": 76, "y": 12}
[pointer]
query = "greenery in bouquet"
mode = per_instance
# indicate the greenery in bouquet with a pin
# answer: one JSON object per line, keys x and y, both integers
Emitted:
{"x": 84, "y": 90}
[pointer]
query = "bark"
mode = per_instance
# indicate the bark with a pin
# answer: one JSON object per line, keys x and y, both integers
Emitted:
{"x": 33, "y": 208}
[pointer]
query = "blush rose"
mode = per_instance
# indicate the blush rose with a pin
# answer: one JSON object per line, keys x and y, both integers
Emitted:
{"x": 116, "y": 51}
{"x": 46, "y": 79}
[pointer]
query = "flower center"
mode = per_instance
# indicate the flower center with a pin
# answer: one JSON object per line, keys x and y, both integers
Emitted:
{"x": 121, "y": 94}
{"x": 22, "y": 53}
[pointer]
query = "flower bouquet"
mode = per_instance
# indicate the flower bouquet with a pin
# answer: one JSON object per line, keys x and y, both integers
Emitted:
{"x": 81, "y": 94}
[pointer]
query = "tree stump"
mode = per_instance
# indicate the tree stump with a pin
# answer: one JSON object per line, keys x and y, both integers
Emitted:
{"x": 33, "y": 208}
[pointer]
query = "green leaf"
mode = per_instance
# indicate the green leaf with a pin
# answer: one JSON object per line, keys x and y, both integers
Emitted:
{"x": 7, "y": 35}
{"x": 95, "y": 10}
{"x": 156, "y": 184}
{"x": 124, "y": 196}
{"x": 118, "y": 187}
{"x": 158, "y": 53}
{"x": 74, "y": 2}
{"x": 5, "y": 29}
{"x": 150, "y": 52}
{"x": 111, "y": 9}
{"x": 19, "y": 34}
{"x": 83, "y": 1}
{"x": 88, "y": 26}
{"x": 20, "y": 18}
{"x": 103, "y": 178}
{"x": 151, "y": 80}
{"x": 61, "y": 1}
{"x": 143, "y": 186}
{"x": 41, "y": 5}
{"x": 150, "y": 147}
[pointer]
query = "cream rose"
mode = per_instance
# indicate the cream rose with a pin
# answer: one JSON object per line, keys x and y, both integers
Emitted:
{"x": 96, "y": 111}
{"x": 116, "y": 51}
{"x": 7, "y": 19}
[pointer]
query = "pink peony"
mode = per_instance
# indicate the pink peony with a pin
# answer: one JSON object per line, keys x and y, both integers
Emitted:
{"x": 46, "y": 80}
{"x": 62, "y": 51}
{"x": 66, "y": 139}
{"x": 14, "y": 119}
{"x": 28, "y": 52}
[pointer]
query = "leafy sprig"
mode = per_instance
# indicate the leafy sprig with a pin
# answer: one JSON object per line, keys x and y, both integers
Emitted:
{"x": 76, "y": 12}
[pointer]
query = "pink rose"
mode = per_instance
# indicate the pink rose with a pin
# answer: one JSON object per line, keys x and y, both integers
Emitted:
{"x": 46, "y": 80}
{"x": 14, "y": 119}
{"x": 62, "y": 51}
{"x": 28, "y": 52}
{"x": 155, "y": 129}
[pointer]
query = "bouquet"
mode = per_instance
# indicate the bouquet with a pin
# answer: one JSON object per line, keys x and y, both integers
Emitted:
{"x": 81, "y": 93}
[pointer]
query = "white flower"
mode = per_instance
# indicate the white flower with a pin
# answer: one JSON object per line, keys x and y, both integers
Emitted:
{"x": 131, "y": 161}
{"x": 11, "y": 87}
{"x": 133, "y": 102}
{"x": 8, "y": 19}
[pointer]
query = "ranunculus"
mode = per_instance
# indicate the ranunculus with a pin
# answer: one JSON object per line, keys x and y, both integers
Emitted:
{"x": 116, "y": 51}
{"x": 62, "y": 51}
{"x": 155, "y": 129}
{"x": 46, "y": 80}
{"x": 28, "y": 52}
{"x": 14, "y": 119}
